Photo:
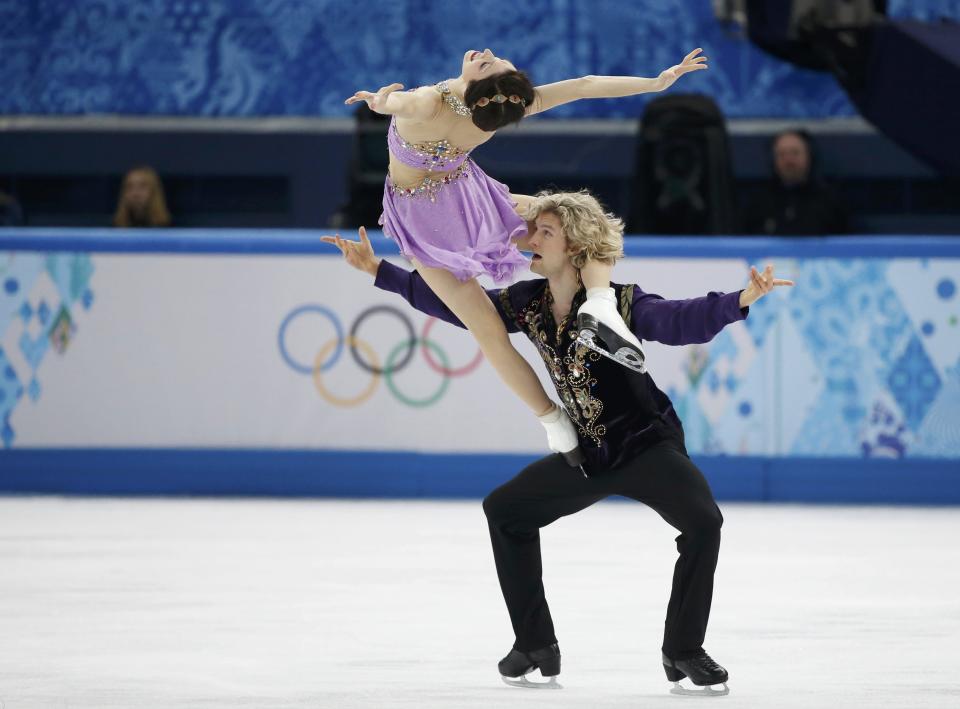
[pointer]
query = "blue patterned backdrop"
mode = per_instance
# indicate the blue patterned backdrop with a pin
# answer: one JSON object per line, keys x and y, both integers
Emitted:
{"x": 862, "y": 359}
{"x": 40, "y": 294}
{"x": 303, "y": 57}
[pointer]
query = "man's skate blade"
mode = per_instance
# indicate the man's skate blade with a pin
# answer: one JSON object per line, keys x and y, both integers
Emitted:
{"x": 524, "y": 683}
{"x": 624, "y": 356}
{"x": 590, "y": 330}
{"x": 707, "y": 691}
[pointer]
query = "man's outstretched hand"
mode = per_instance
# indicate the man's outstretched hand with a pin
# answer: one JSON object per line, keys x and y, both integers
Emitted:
{"x": 760, "y": 284}
{"x": 358, "y": 254}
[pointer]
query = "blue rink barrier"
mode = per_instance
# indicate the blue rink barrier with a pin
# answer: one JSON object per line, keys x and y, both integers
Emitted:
{"x": 307, "y": 241}
{"x": 394, "y": 474}
{"x": 366, "y": 473}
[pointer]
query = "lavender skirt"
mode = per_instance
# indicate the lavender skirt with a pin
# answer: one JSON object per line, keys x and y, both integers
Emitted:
{"x": 464, "y": 225}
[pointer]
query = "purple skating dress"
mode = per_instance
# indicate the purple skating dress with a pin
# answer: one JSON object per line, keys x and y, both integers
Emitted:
{"x": 463, "y": 222}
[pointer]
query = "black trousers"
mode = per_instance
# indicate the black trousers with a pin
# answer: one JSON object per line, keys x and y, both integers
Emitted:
{"x": 662, "y": 477}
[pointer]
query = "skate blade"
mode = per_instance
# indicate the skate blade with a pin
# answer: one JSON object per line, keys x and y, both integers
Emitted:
{"x": 524, "y": 683}
{"x": 624, "y": 356}
{"x": 707, "y": 691}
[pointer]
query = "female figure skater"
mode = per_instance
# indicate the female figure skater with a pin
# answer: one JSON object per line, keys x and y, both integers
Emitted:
{"x": 454, "y": 223}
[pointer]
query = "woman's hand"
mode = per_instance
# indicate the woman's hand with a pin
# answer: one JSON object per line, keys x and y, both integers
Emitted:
{"x": 378, "y": 101}
{"x": 694, "y": 61}
{"x": 358, "y": 254}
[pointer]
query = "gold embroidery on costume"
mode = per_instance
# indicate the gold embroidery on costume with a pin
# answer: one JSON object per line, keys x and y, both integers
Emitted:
{"x": 569, "y": 369}
{"x": 626, "y": 302}
{"x": 506, "y": 304}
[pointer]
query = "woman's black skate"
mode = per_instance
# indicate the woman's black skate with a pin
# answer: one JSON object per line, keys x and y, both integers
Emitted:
{"x": 702, "y": 671}
{"x": 602, "y": 339}
{"x": 516, "y": 665}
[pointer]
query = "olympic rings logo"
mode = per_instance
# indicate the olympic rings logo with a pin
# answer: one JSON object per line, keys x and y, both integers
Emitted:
{"x": 366, "y": 358}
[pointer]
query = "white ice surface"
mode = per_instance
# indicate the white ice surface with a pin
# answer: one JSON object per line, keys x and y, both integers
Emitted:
{"x": 343, "y": 604}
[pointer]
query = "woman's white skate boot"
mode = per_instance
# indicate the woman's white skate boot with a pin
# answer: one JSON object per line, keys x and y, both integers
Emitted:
{"x": 601, "y": 328}
{"x": 562, "y": 436}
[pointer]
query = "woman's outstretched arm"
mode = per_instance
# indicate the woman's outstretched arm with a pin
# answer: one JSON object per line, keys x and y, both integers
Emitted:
{"x": 416, "y": 105}
{"x": 551, "y": 95}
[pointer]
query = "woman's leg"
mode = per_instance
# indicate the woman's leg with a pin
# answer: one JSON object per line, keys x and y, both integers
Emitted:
{"x": 468, "y": 301}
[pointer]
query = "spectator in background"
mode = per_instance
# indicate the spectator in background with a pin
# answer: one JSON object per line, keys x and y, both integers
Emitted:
{"x": 10, "y": 212}
{"x": 141, "y": 202}
{"x": 795, "y": 202}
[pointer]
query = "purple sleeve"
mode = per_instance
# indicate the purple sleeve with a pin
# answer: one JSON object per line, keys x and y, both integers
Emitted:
{"x": 412, "y": 288}
{"x": 683, "y": 322}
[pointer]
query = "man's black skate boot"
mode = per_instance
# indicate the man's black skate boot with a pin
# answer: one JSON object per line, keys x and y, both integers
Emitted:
{"x": 702, "y": 670}
{"x": 517, "y": 664}
{"x": 602, "y": 339}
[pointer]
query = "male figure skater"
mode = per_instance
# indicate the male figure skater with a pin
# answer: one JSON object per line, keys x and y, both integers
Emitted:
{"x": 628, "y": 430}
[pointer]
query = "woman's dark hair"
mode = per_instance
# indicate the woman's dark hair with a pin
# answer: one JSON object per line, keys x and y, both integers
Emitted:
{"x": 497, "y": 115}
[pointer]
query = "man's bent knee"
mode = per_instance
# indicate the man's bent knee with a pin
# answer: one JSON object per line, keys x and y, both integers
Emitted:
{"x": 704, "y": 526}
{"x": 506, "y": 513}
{"x": 494, "y": 505}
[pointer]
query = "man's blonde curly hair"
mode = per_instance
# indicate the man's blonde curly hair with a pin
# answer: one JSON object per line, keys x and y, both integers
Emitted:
{"x": 593, "y": 234}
